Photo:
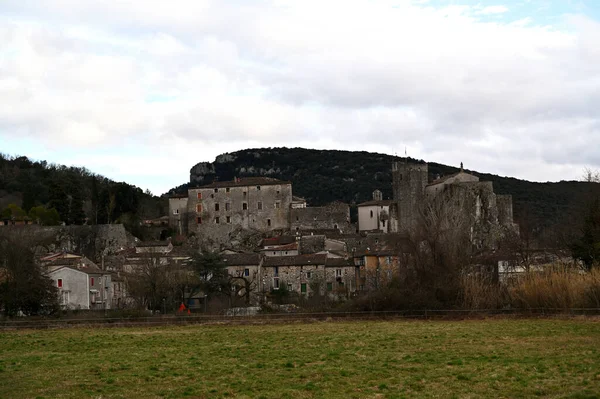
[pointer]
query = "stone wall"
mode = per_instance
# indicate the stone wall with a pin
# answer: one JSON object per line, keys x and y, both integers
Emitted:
{"x": 91, "y": 241}
{"x": 335, "y": 216}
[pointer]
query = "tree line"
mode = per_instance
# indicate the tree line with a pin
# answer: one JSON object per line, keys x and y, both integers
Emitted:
{"x": 51, "y": 194}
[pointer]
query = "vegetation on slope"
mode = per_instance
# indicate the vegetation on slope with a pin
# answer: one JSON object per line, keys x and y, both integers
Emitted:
{"x": 29, "y": 188}
{"x": 322, "y": 176}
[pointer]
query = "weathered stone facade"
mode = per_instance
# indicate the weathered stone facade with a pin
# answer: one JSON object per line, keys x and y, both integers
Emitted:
{"x": 335, "y": 216}
{"x": 218, "y": 211}
{"x": 408, "y": 183}
{"x": 486, "y": 213}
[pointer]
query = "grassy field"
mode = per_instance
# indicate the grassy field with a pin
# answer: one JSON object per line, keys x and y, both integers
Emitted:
{"x": 382, "y": 359}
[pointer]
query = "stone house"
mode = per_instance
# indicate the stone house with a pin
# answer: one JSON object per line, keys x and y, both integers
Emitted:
{"x": 309, "y": 274}
{"x": 215, "y": 211}
{"x": 244, "y": 270}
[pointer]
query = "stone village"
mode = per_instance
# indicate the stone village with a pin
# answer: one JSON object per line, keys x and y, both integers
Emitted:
{"x": 269, "y": 239}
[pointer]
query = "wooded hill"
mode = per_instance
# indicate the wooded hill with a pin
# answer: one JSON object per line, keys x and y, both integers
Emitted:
{"x": 322, "y": 176}
{"x": 78, "y": 195}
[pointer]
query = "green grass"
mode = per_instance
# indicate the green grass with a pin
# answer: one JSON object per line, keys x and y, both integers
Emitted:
{"x": 403, "y": 359}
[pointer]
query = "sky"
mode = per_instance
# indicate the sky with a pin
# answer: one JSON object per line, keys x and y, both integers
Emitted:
{"x": 140, "y": 91}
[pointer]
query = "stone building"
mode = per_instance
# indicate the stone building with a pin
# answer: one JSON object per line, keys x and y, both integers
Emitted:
{"x": 310, "y": 274}
{"x": 215, "y": 211}
{"x": 334, "y": 216}
{"x": 487, "y": 213}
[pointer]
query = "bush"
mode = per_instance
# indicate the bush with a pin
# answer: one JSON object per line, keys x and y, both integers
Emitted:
{"x": 557, "y": 288}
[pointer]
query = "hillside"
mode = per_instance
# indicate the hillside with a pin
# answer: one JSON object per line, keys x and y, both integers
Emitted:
{"x": 322, "y": 176}
{"x": 78, "y": 195}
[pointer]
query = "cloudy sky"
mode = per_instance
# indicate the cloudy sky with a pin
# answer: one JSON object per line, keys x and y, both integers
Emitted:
{"x": 140, "y": 91}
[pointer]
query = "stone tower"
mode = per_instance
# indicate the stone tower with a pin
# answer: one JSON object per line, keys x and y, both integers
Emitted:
{"x": 408, "y": 182}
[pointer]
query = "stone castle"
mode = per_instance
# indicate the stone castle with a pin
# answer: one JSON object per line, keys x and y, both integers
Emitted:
{"x": 218, "y": 211}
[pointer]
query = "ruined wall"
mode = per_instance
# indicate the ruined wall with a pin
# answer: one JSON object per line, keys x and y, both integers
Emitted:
{"x": 335, "y": 216}
{"x": 505, "y": 210}
{"x": 408, "y": 183}
{"x": 91, "y": 241}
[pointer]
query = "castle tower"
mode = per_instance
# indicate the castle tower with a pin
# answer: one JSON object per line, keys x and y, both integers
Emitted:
{"x": 408, "y": 182}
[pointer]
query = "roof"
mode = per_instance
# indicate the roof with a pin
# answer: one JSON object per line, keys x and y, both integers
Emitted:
{"x": 152, "y": 244}
{"x": 287, "y": 247}
{"x": 297, "y": 260}
{"x": 279, "y": 240}
{"x": 297, "y": 199}
{"x": 339, "y": 262}
{"x": 377, "y": 203}
{"x": 241, "y": 259}
{"x": 246, "y": 181}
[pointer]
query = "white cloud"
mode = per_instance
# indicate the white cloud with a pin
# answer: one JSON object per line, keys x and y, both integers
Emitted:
{"x": 208, "y": 76}
{"x": 492, "y": 10}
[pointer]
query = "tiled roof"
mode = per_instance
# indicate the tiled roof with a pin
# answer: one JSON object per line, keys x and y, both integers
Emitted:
{"x": 377, "y": 203}
{"x": 298, "y": 260}
{"x": 287, "y": 247}
{"x": 279, "y": 240}
{"x": 339, "y": 262}
{"x": 241, "y": 259}
{"x": 246, "y": 181}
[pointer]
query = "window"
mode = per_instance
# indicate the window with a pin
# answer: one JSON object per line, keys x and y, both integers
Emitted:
{"x": 383, "y": 223}
{"x": 59, "y": 283}
{"x": 269, "y": 222}
{"x": 308, "y": 274}
{"x": 198, "y": 220}
{"x": 335, "y": 226}
{"x": 276, "y": 271}
{"x": 212, "y": 196}
{"x": 277, "y": 204}
{"x": 246, "y": 272}
{"x": 371, "y": 214}
{"x": 217, "y": 207}
{"x": 244, "y": 195}
{"x": 175, "y": 211}
{"x": 199, "y": 208}
{"x": 258, "y": 188}
{"x": 217, "y": 220}
{"x": 275, "y": 283}
{"x": 290, "y": 286}
{"x": 229, "y": 219}
{"x": 274, "y": 253}
{"x": 329, "y": 286}
{"x": 400, "y": 176}
{"x": 244, "y": 206}
{"x": 227, "y": 206}
{"x": 338, "y": 272}
{"x": 199, "y": 195}
{"x": 216, "y": 190}
{"x": 389, "y": 260}
{"x": 303, "y": 288}
{"x": 92, "y": 281}
{"x": 297, "y": 218}
{"x": 277, "y": 191}
{"x": 227, "y": 190}
{"x": 259, "y": 205}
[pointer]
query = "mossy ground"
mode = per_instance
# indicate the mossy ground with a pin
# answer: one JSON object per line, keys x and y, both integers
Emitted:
{"x": 382, "y": 359}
